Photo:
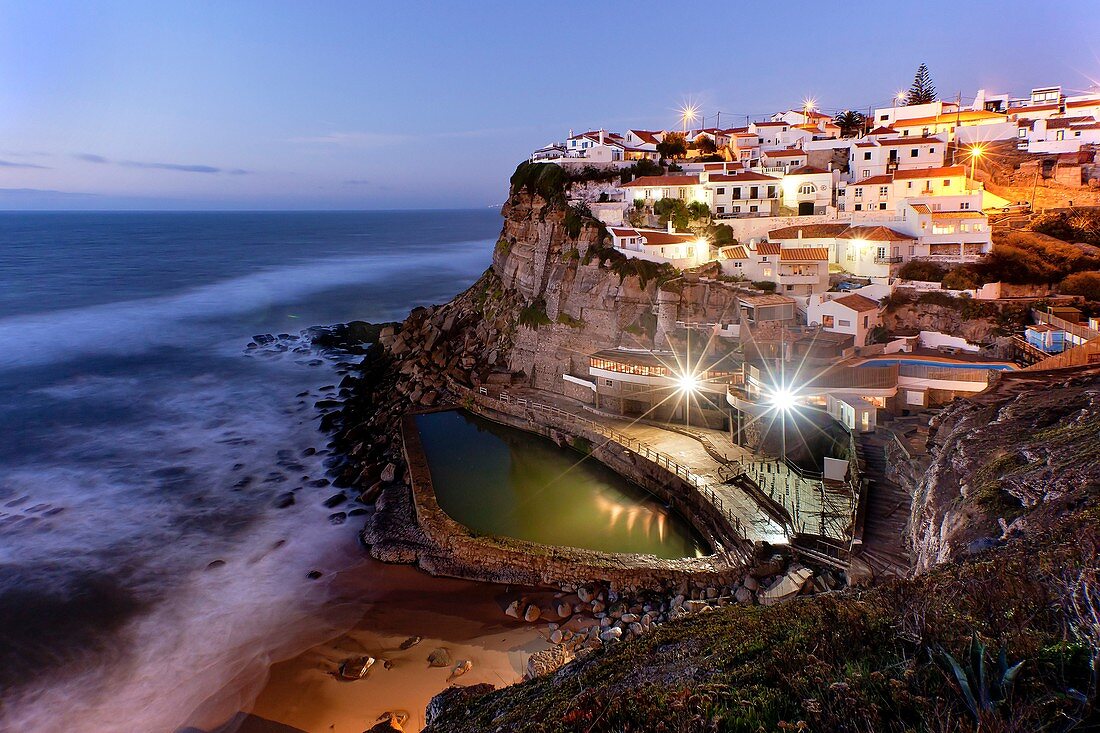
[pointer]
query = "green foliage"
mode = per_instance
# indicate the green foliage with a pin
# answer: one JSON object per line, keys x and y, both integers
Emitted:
{"x": 704, "y": 145}
{"x": 534, "y": 315}
{"x": 503, "y": 247}
{"x": 921, "y": 270}
{"x": 1085, "y": 284}
{"x": 961, "y": 278}
{"x": 698, "y": 210}
{"x": 643, "y": 167}
{"x": 850, "y": 122}
{"x": 1069, "y": 226}
{"x": 575, "y": 218}
{"x": 567, "y": 320}
{"x": 982, "y": 692}
{"x": 721, "y": 235}
{"x": 673, "y": 145}
{"x": 922, "y": 91}
{"x": 547, "y": 180}
{"x": 674, "y": 209}
{"x": 766, "y": 285}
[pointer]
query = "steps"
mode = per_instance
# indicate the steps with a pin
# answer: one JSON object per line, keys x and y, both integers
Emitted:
{"x": 885, "y": 528}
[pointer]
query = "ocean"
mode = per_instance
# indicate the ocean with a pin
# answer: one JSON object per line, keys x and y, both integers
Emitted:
{"x": 145, "y": 564}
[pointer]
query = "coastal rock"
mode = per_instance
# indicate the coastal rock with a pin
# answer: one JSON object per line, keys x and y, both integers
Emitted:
{"x": 439, "y": 657}
{"x": 613, "y": 633}
{"x": 453, "y": 700}
{"x": 532, "y": 613}
{"x": 410, "y": 642}
{"x": 460, "y": 669}
{"x": 388, "y": 473}
{"x": 335, "y": 500}
{"x": 547, "y": 661}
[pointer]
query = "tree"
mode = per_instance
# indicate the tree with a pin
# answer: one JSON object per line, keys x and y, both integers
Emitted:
{"x": 705, "y": 145}
{"x": 673, "y": 209}
{"x": 673, "y": 145}
{"x": 1085, "y": 284}
{"x": 922, "y": 91}
{"x": 850, "y": 123}
{"x": 698, "y": 210}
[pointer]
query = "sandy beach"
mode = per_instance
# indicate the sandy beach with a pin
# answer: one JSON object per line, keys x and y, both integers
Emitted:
{"x": 398, "y": 602}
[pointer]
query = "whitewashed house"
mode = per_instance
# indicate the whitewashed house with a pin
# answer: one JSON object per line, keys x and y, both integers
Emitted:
{"x": 876, "y": 156}
{"x": 855, "y": 315}
{"x": 797, "y": 272}
{"x": 651, "y": 189}
{"x": 782, "y": 161}
{"x": 655, "y": 245}
{"x": 810, "y": 190}
{"x": 745, "y": 193}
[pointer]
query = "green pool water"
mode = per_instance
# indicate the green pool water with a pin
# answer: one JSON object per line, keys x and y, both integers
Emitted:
{"x": 501, "y": 481}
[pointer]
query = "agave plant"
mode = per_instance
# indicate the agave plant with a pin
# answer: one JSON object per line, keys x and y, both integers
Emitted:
{"x": 982, "y": 691}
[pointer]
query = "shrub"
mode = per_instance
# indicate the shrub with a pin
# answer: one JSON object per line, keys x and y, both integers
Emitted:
{"x": 503, "y": 247}
{"x": 644, "y": 167}
{"x": 767, "y": 285}
{"x": 961, "y": 278}
{"x": 1085, "y": 284}
{"x": 575, "y": 219}
{"x": 721, "y": 235}
{"x": 673, "y": 145}
{"x": 534, "y": 315}
{"x": 1069, "y": 226}
{"x": 698, "y": 210}
{"x": 547, "y": 180}
{"x": 921, "y": 270}
{"x": 567, "y": 320}
{"x": 673, "y": 209}
{"x": 705, "y": 145}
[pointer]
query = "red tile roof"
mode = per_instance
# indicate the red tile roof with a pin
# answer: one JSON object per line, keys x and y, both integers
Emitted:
{"x": 655, "y": 181}
{"x": 767, "y": 248}
{"x": 882, "y": 130}
{"x": 948, "y": 170}
{"x": 771, "y": 124}
{"x": 809, "y": 231}
{"x": 875, "y": 234}
{"x": 624, "y": 232}
{"x": 891, "y": 142}
{"x": 806, "y": 170}
{"x": 1032, "y": 108}
{"x": 858, "y": 303}
{"x": 804, "y": 254}
{"x": 786, "y": 153}
{"x": 734, "y": 252}
{"x": 874, "y": 181}
{"x": 1084, "y": 103}
{"x": 745, "y": 176}
{"x": 657, "y": 237}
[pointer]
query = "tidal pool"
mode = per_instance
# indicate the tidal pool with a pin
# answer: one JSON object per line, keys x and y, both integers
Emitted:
{"x": 501, "y": 481}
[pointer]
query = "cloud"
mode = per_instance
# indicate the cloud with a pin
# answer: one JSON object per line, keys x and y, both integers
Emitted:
{"x": 178, "y": 167}
{"x": 11, "y": 164}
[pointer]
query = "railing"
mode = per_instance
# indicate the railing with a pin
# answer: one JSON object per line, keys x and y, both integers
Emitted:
{"x": 946, "y": 374}
{"x": 1081, "y": 333}
{"x": 888, "y": 260}
{"x": 705, "y": 488}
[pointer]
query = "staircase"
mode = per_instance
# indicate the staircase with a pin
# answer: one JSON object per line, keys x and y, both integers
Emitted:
{"x": 885, "y": 528}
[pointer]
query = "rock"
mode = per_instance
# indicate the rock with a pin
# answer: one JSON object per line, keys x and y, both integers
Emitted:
{"x": 751, "y": 583}
{"x": 597, "y": 607}
{"x": 512, "y": 610}
{"x": 743, "y": 595}
{"x": 460, "y": 669}
{"x": 629, "y": 618}
{"x": 410, "y": 642}
{"x": 547, "y": 661}
{"x": 612, "y": 634}
{"x": 584, "y": 594}
{"x": 556, "y": 636}
{"x": 314, "y": 574}
{"x": 452, "y": 700}
{"x": 565, "y": 610}
{"x": 355, "y": 668}
{"x": 439, "y": 657}
{"x": 532, "y": 613}
{"x": 337, "y": 518}
{"x": 388, "y": 473}
{"x": 282, "y": 501}
{"x": 694, "y": 606}
{"x": 335, "y": 500}
{"x": 214, "y": 565}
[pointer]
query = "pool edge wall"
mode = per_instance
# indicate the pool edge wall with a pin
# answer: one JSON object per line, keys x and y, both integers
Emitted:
{"x": 452, "y": 549}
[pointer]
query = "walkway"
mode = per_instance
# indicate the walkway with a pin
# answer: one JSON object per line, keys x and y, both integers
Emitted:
{"x": 885, "y": 528}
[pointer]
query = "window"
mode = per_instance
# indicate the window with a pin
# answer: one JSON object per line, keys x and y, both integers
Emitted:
{"x": 737, "y": 193}
{"x": 720, "y": 192}
{"x": 754, "y": 192}
{"x": 721, "y": 209}
{"x": 866, "y": 156}
{"x": 880, "y": 253}
{"x": 883, "y": 118}
{"x": 754, "y": 208}
{"x": 882, "y": 206}
{"x": 842, "y": 323}
{"x": 859, "y": 192}
{"x": 914, "y": 153}
{"x": 866, "y": 172}
{"x": 932, "y": 150}
{"x": 609, "y": 382}
{"x": 912, "y": 250}
{"x": 1022, "y": 132}
{"x": 1060, "y": 135}
{"x": 737, "y": 209}
{"x": 883, "y": 190}
{"x": 865, "y": 321}
{"x": 771, "y": 192}
{"x": 859, "y": 207}
{"x": 806, "y": 188}
{"x": 964, "y": 205}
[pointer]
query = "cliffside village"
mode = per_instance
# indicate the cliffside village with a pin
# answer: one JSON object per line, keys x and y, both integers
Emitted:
{"x": 822, "y": 220}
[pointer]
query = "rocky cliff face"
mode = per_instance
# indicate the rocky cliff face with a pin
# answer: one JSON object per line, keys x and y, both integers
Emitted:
{"x": 1008, "y": 463}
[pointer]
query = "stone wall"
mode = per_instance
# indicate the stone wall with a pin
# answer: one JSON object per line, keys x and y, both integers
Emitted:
{"x": 454, "y": 550}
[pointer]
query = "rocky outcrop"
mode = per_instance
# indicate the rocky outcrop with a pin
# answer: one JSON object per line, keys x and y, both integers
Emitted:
{"x": 1007, "y": 463}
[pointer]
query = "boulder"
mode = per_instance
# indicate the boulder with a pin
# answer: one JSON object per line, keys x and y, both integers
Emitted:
{"x": 532, "y": 614}
{"x": 512, "y": 610}
{"x": 613, "y": 633}
{"x": 439, "y": 657}
{"x": 547, "y": 661}
{"x": 388, "y": 473}
{"x": 452, "y": 700}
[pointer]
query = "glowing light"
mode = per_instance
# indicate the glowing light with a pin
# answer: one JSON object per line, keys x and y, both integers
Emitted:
{"x": 783, "y": 399}
{"x": 688, "y": 383}
{"x": 977, "y": 151}
{"x": 900, "y": 96}
{"x": 809, "y": 104}
{"x": 688, "y": 114}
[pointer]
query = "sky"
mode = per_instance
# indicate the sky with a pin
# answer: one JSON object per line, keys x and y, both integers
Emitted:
{"x": 269, "y": 104}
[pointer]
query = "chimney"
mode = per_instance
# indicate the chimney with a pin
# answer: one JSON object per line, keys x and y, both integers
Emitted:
{"x": 800, "y": 234}
{"x": 570, "y": 132}
{"x": 671, "y": 230}
{"x": 601, "y": 137}
{"x": 830, "y": 166}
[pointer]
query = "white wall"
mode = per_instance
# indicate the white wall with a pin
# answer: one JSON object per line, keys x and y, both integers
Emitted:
{"x": 935, "y": 339}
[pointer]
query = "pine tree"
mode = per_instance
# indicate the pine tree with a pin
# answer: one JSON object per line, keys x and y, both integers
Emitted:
{"x": 922, "y": 91}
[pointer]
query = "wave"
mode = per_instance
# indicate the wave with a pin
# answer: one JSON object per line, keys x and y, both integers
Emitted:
{"x": 133, "y": 326}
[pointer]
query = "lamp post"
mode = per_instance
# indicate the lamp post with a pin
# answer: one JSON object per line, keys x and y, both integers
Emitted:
{"x": 688, "y": 113}
{"x": 976, "y": 152}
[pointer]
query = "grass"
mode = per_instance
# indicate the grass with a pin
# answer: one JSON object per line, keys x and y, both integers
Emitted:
{"x": 534, "y": 315}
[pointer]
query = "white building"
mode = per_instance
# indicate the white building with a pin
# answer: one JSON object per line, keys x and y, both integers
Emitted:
{"x": 1058, "y": 134}
{"x": 849, "y": 314}
{"x": 655, "y": 245}
{"x": 746, "y": 193}
{"x": 878, "y": 155}
{"x": 782, "y": 161}
{"x": 797, "y": 272}
{"x": 651, "y": 189}
{"x": 945, "y": 188}
{"x": 810, "y": 190}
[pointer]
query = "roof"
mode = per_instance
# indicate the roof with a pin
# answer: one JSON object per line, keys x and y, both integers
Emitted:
{"x": 1042, "y": 328}
{"x": 957, "y": 215}
{"x": 806, "y": 170}
{"x": 734, "y": 252}
{"x": 875, "y": 234}
{"x": 765, "y": 299}
{"x": 899, "y": 141}
{"x": 1032, "y": 108}
{"x": 874, "y": 180}
{"x": 1084, "y": 103}
{"x": 646, "y": 136}
{"x": 804, "y": 254}
{"x": 947, "y": 170}
{"x": 771, "y": 124}
{"x": 882, "y": 131}
{"x": 809, "y": 231}
{"x": 963, "y": 116}
{"x": 921, "y": 208}
{"x": 858, "y": 303}
{"x": 662, "y": 181}
{"x": 624, "y": 232}
{"x": 1055, "y": 123}
{"x": 656, "y": 237}
{"x": 744, "y": 176}
{"x": 767, "y": 248}
{"x": 785, "y": 153}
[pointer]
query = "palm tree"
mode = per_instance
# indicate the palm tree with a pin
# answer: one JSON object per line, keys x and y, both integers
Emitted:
{"x": 850, "y": 123}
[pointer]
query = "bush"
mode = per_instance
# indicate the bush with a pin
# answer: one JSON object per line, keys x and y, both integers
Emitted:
{"x": 1069, "y": 226}
{"x": 547, "y": 180}
{"x": 721, "y": 235}
{"x": 673, "y": 209}
{"x": 921, "y": 270}
{"x": 698, "y": 210}
{"x": 767, "y": 285}
{"x": 961, "y": 278}
{"x": 1085, "y": 284}
{"x": 534, "y": 315}
{"x": 673, "y": 145}
{"x": 575, "y": 219}
{"x": 644, "y": 167}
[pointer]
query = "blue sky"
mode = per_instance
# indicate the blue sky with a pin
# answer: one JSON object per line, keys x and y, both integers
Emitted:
{"x": 370, "y": 105}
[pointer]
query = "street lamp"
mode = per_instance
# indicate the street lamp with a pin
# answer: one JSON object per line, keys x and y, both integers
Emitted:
{"x": 808, "y": 105}
{"x": 783, "y": 399}
{"x": 976, "y": 152}
{"x": 688, "y": 113}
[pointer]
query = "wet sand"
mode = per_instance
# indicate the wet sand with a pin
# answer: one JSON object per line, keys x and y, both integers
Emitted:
{"x": 398, "y": 602}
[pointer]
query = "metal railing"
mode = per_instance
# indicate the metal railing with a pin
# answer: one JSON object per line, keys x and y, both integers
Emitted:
{"x": 704, "y": 487}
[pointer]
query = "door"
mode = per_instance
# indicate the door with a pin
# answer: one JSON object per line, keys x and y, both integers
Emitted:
{"x": 806, "y": 208}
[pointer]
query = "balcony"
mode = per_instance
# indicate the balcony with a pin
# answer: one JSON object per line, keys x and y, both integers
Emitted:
{"x": 888, "y": 260}
{"x": 801, "y": 278}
